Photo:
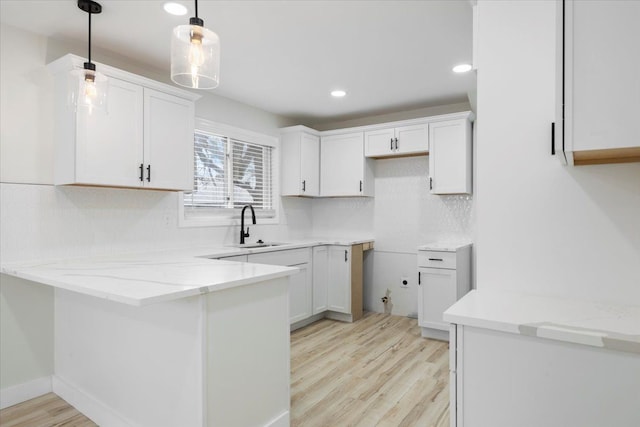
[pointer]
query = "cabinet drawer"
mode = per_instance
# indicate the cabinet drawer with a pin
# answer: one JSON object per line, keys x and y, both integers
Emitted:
{"x": 436, "y": 259}
{"x": 285, "y": 258}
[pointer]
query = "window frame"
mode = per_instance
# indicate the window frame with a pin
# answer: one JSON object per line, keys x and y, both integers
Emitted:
{"x": 231, "y": 216}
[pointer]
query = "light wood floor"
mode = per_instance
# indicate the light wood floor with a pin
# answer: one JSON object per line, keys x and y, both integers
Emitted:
{"x": 375, "y": 372}
{"x": 44, "y": 411}
{"x": 378, "y": 371}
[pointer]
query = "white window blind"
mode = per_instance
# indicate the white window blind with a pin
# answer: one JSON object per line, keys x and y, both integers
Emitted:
{"x": 228, "y": 174}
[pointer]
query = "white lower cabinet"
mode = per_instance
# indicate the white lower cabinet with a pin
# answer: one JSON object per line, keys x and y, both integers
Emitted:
{"x": 339, "y": 279}
{"x": 444, "y": 276}
{"x": 300, "y": 285}
{"x": 320, "y": 278}
{"x": 300, "y": 294}
{"x": 329, "y": 281}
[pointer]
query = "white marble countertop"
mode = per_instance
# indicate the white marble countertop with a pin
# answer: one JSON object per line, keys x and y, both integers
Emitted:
{"x": 444, "y": 246}
{"x": 150, "y": 277}
{"x": 604, "y": 325}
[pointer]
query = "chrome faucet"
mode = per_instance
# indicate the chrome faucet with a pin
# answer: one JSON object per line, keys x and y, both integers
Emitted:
{"x": 253, "y": 217}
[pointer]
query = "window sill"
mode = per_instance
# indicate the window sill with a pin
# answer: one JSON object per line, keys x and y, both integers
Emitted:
{"x": 222, "y": 222}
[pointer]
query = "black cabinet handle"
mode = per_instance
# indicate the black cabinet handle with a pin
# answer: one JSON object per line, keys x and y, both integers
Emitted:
{"x": 391, "y": 144}
{"x": 396, "y": 141}
{"x": 553, "y": 138}
{"x": 141, "y": 172}
{"x": 149, "y": 173}
{"x": 430, "y": 183}
{"x": 435, "y": 259}
{"x": 419, "y": 278}
{"x": 361, "y": 186}
{"x": 345, "y": 255}
{"x": 304, "y": 185}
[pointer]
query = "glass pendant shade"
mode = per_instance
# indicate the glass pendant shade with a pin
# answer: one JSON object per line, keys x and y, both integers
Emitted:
{"x": 195, "y": 57}
{"x": 88, "y": 90}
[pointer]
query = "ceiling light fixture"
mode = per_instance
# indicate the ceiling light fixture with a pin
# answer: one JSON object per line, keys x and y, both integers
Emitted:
{"x": 462, "y": 68}
{"x": 175, "y": 8}
{"x": 195, "y": 55}
{"x": 338, "y": 93}
{"x": 88, "y": 88}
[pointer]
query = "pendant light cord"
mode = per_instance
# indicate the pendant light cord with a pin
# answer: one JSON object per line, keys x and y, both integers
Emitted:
{"x": 196, "y": 8}
{"x": 89, "y": 36}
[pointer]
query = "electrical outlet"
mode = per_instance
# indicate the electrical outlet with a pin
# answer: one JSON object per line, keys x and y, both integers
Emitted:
{"x": 404, "y": 282}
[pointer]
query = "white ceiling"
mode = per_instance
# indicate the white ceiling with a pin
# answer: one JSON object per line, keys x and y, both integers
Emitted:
{"x": 286, "y": 56}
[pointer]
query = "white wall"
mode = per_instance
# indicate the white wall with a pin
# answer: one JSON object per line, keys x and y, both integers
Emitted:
{"x": 544, "y": 228}
{"x": 402, "y": 216}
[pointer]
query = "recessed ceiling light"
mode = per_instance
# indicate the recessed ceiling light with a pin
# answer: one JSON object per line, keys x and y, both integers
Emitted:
{"x": 175, "y": 8}
{"x": 338, "y": 93}
{"x": 462, "y": 68}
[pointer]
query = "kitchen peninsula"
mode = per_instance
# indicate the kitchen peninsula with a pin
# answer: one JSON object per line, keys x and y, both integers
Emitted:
{"x": 169, "y": 338}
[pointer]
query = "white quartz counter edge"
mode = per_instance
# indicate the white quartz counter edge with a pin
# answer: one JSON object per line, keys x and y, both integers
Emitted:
{"x": 610, "y": 326}
{"x": 152, "y": 277}
{"x": 444, "y": 247}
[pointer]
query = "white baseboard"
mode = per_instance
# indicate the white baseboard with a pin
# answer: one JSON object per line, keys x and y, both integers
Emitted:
{"x": 22, "y": 392}
{"x": 435, "y": 334}
{"x": 281, "y": 420}
{"x": 342, "y": 317}
{"x": 91, "y": 407}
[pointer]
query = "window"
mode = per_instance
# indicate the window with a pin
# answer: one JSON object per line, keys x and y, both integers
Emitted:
{"x": 232, "y": 168}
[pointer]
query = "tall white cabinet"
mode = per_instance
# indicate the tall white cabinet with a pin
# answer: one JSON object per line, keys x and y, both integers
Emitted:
{"x": 144, "y": 141}
{"x": 598, "y": 85}
{"x": 444, "y": 276}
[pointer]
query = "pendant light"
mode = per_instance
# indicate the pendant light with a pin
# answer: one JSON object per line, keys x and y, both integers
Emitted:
{"x": 88, "y": 88}
{"x": 195, "y": 55}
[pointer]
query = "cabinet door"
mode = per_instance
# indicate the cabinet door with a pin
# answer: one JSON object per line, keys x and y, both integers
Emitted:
{"x": 412, "y": 139}
{"x": 342, "y": 165}
{"x": 602, "y": 87}
{"x": 309, "y": 165}
{"x": 300, "y": 294}
{"x": 168, "y": 141}
{"x": 450, "y": 157}
{"x": 339, "y": 282}
{"x": 320, "y": 278}
{"x": 379, "y": 143}
{"x": 436, "y": 293}
{"x": 109, "y": 146}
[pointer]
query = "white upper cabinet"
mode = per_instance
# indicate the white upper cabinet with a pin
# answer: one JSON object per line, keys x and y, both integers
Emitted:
{"x": 450, "y": 156}
{"x": 300, "y": 162}
{"x": 144, "y": 141}
{"x": 168, "y": 141}
{"x": 399, "y": 141}
{"x": 344, "y": 171}
{"x": 105, "y": 149}
{"x": 598, "y": 84}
